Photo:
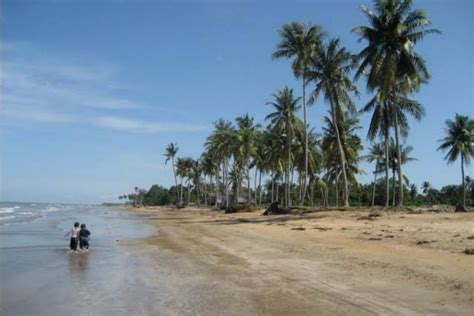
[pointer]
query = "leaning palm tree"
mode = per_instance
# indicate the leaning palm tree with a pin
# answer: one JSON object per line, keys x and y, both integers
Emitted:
{"x": 171, "y": 151}
{"x": 300, "y": 41}
{"x": 330, "y": 68}
{"x": 284, "y": 120}
{"x": 459, "y": 141}
{"x": 390, "y": 56}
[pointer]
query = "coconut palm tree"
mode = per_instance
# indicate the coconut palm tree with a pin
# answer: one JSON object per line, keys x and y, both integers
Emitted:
{"x": 459, "y": 141}
{"x": 413, "y": 192}
{"x": 171, "y": 151}
{"x": 283, "y": 121}
{"x": 220, "y": 145}
{"x": 329, "y": 69}
{"x": 390, "y": 56}
{"x": 299, "y": 41}
{"x": 351, "y": 145}
{"x": 426, "y": 187}
{"x": 246, "y": 144}
{"x": 394, "y": 157}
{"x": 377, "y": 154}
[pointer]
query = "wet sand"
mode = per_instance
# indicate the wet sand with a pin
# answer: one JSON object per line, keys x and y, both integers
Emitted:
{"x": 203, "y": 262}
{"x": 323, "y": 263}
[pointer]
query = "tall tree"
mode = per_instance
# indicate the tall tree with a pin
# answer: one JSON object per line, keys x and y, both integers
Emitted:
{"x": 171, "y": 151}
{"x": 376, "y": 154}
{"x": 246, "y": 144}
{"x": 220, "y": 146}
{"x": 459, "y": 141}
{"x": 329, "y": 69}
{"x": 390, "y": 56}
{"x": 284, "y": 120}
{"x": 299, "y": 41}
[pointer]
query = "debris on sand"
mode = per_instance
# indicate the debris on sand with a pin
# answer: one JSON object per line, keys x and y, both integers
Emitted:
{"x": 375, "y": 238}
{"x": 365, "y": 218}
{"x": 322, "y": 228}
{"x": 470, "y": 237}
{"x": 469, "y": 251}
{"x": 298, "y": 228}
{"x": 422, "y": 242}
{"x": 273, "y": 209}
{"x": 243, "y": 220}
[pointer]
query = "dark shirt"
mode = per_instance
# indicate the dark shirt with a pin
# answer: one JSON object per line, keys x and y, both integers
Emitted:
{"x": 84, "y": 233}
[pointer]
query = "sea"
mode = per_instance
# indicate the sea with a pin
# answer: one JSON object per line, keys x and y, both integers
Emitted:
{"x": 39, "y": 276}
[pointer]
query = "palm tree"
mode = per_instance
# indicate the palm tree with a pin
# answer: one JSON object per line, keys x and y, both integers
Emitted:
{"x": 300, "y": 41}
{"x": 171, "y": 151}
{"x": 284, "y": 120}
{"x": 245, "y": 146}
{"x": 329, "y": 70}
{"x": 220, "y": 145}
{"x": 404, "y": 156}
{"x": 351, "y": 145}
{"x": 376, "y": 153}
{"x": 426, "y": 187}
{"x": 390, "y": 57}
{"x": 459, "y": 141}
{"x": 413, "y": 192}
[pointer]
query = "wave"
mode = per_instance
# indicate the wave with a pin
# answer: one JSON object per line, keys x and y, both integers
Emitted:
{"x": 5, "y": 210}
{"x": 6, "y": 217}
{"x": 50, "y": 209}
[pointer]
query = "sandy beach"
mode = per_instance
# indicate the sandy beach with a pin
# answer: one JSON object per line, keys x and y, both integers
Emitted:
{"x": 324, "y": 263}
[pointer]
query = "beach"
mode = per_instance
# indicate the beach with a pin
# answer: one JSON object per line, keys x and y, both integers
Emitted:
{"x": 325, "y": 263}
{"x": 197, "y": 261}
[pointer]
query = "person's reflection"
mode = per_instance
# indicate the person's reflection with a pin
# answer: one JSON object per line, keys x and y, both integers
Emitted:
{"x": 78, "y": 265}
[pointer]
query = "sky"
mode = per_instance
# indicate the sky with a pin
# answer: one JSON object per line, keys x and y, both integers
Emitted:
{"x": 93, "y": 91}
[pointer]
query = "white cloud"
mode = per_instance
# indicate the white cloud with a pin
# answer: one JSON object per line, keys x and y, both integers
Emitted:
{"x": 52, "y": 90}
{"x": 138, "y": 126}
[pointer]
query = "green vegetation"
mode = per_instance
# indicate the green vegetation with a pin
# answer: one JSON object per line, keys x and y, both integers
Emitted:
{"x": 291, "y": 164}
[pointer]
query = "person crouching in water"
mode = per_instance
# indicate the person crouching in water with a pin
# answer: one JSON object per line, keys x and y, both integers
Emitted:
{"x": 74, "y": 232}
{"x": 84, "y": 236}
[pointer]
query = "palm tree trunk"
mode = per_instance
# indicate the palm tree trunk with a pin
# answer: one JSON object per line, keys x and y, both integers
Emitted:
{"x": 463, "y": 185}
{"x": 375, "y": 182}
{"x": 189, "y": 193}
{"x": 287, "y": 184}
{"x": 273, "y": 186}
{"x": 277, "y": 192}
{"x": 175, "y": 180}
{"x": 217, "y": 188}
{"x": 225, "y": 184}
{"x": 255, "y": 186}
{"x": 260, "y": 187}
{"x": 399, "y": 157}
{"x": 387, "y": 179}
{"x": 305, "y": 143}
{"x": 248, "y": 181}
{"x": 393, "y": 188}
{"x": 181, "y": 193}
{"x": 337, "y": 193}
{"x": 341, "y": 156}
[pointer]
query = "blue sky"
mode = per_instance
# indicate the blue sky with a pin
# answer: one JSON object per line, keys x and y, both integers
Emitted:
{"x": 92, "y": 91}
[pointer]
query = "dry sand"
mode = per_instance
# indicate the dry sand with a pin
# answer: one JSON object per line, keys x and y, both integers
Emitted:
{"x": 321, "y": 263}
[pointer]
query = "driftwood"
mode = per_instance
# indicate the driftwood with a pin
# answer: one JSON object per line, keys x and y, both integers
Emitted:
{"x": 273, "y": 209}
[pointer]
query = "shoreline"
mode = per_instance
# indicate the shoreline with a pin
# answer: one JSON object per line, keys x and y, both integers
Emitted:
{"x": 327, "y": 262}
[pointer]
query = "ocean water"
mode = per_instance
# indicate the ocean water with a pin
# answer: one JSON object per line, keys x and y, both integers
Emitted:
{"x": 25, "y": 212}
{"x": 38, "y": 276}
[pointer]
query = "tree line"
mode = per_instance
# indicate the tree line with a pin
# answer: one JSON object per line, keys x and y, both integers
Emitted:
{"x": 290, "y": 163}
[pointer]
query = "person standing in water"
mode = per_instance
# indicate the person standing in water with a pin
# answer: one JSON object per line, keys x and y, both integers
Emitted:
{"x": 84, "y": 236}
{"x": 74, "y": 232}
